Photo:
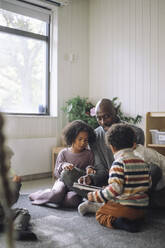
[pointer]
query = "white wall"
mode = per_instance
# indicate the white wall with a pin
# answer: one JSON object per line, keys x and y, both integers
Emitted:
{"x": 72, "y": 80}
{"x": 106, "y": 48}
{"x": 127, "y": 53}
{"x": 32, "y": 155}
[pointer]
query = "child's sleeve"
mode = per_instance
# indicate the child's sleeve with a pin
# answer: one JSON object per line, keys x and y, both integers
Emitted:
{"x": 60, "y": 164}
{"x": 115, "y": 187}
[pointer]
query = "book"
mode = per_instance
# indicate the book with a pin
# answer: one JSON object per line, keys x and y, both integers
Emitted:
{"x": 86, "y": 187}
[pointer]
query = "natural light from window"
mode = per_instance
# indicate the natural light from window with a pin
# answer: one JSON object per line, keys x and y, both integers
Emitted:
{"x": 23, "y": 64}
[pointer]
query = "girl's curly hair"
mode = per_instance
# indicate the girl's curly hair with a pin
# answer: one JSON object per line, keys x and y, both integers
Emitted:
{"x": 73, "y": 128}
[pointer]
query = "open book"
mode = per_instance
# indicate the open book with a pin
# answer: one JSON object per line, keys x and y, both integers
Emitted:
{"x": 86, "y": 187}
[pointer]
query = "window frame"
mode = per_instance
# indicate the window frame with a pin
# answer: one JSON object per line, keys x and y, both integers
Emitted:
{"x": 45, "y": 38}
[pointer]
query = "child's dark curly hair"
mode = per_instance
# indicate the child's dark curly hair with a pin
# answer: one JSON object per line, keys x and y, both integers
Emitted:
{"x": 120, "y": 136}
{"x": 71, "y": 131}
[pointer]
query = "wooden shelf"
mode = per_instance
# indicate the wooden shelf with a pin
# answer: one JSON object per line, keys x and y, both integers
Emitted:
{"x": 155, "y": 120}
{"x": 155, "y": 145}
{"x": 157, "y": 114}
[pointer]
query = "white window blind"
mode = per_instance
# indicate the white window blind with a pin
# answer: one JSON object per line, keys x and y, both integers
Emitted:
{"x": 51, "y": 2}
{"x": 26, "y": 9}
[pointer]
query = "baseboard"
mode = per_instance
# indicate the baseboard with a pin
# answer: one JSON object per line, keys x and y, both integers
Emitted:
{"x": 36, "y": 176}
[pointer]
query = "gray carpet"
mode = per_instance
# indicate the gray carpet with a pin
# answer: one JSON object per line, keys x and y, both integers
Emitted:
{"x": 60, "y": 228}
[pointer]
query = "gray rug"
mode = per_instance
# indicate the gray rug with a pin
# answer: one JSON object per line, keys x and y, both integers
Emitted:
{"x": 60, "y": 228}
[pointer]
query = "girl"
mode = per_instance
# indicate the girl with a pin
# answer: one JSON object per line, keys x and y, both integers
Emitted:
{"x": 71, "y": 164}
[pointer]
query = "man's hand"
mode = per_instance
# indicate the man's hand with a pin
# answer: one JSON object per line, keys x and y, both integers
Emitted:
{"x": 69, "y": 167}
{"x": 85, "y": 180}
{"x": 90, "y": 170}
{"x": 90, "y": 196}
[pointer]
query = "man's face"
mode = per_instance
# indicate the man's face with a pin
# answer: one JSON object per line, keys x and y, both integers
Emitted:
{"x": 104, "y": 119}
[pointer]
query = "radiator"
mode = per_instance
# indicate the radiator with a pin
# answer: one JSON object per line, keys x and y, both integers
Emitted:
{"x": 31, "y": 155}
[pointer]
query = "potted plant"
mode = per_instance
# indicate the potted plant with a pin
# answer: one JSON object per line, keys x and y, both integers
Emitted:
{"x": 80, "y": 108}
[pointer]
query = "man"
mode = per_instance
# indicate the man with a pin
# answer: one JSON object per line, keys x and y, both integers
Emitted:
{"x": 106, "y": 116}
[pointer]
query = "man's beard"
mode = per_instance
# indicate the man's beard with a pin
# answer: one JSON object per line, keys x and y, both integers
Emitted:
{"x": 107, "y": 126}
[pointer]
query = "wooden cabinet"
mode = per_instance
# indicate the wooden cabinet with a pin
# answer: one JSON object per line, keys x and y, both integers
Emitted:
{"x": 155, "y": 120}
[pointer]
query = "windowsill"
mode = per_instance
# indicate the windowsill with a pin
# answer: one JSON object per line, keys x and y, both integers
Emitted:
{"x": 30, "y": 116}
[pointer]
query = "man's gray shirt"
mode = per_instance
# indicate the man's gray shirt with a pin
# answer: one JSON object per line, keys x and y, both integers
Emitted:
{"x": 104, "y": 156}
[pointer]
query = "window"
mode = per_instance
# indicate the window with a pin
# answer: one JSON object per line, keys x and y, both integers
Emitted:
{"x": 24, "y": 63}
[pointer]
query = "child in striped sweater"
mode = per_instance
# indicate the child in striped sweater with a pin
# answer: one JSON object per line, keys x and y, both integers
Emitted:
{"x": 125, "y": 198}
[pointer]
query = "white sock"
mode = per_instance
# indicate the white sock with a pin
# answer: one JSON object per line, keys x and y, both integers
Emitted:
{"x": 88, "y": 207}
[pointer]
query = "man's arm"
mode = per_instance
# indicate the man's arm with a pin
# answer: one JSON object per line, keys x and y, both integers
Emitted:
{"x": 101, "y": 176}
{"x": 103, "y": 160}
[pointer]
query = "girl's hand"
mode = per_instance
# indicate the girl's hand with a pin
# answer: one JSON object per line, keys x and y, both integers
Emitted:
{"x": 69, "y": 167}
{"x": 90, "y": 196}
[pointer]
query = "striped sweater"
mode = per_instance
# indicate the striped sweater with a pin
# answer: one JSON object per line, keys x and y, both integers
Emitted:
{"x": 129, "y": 181}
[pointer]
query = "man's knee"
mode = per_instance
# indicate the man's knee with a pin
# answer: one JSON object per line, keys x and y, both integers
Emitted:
{"x": 156, "y": 174}
{"x": 157, "y": 199}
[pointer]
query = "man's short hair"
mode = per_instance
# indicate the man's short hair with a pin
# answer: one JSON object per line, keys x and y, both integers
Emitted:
{"x": 120, "y": 136}
{"x": 107, "y": 105}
